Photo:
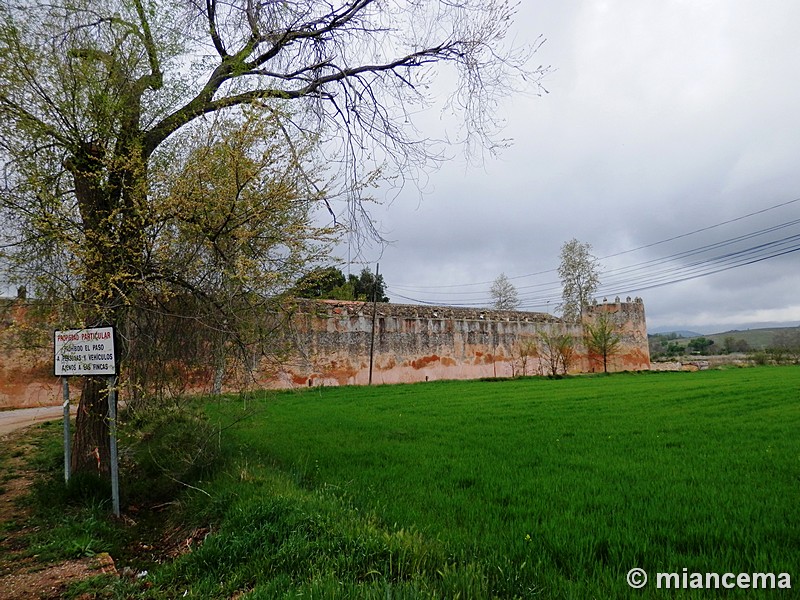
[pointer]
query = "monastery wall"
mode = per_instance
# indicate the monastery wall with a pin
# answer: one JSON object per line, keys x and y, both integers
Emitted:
{"x": 331, "y": 341}
{"x": 423, "y": 343}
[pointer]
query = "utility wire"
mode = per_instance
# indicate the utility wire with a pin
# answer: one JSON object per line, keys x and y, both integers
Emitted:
{"x": 424, "y": 289}
{"x": 649, "y": 274}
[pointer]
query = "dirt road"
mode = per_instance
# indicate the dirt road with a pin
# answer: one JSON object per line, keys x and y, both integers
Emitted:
{"x": 11, "y": 420}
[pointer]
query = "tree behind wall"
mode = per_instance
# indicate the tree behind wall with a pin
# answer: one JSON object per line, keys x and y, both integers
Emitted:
{"x": 95, "y": 92}
{"x": 322, "y": 282}
{"x": 367, "y": 287}
{"x": 329, "y": 283}
{"x": 504, "y": 294}
{"x": 579, "y": 273}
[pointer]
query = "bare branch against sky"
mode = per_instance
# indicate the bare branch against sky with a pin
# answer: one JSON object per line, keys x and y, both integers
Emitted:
{"x": 668, "y": 141}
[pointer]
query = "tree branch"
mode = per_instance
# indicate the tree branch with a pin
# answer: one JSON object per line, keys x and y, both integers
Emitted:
{"x": 313, "y": 29}
{"x": 23, "y": 115}
{"x": 211, "y": 13}
{"x": 156, "y": 78}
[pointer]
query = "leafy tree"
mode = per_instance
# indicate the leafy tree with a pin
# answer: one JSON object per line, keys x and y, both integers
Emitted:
{"x": 234, "y": 228}
{"x": 96, "y": 97}
{"x": 674, "y": 349}
{"x": 579, "y": 273}
{"x": 330, "y": 283}
{"x": 700, "y": 345}
{"x": 665, "y": 345}
{"x": 731, "y": 344}
{"x": 602, "y": 338}
{"x": 319, "y": 283}
{"x": 504, "y": 294}
{"x": 366, "y": 285}
{"x": 785, "y": 346}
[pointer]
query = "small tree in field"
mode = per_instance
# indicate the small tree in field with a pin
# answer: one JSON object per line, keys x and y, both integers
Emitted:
{"x": 504, "y": 294}
{"x": 602, "y": 338}
{"x": 526, "y": 351}
{"x": 557, "y": 350}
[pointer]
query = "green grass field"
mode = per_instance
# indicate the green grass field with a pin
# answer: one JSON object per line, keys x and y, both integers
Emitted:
{"x": 519, "y": 488}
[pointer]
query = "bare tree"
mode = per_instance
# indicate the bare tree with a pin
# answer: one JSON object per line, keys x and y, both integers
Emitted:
{"x": 504, "y": 294}
{"x": 557, "y": 350}
{"x": 95, "y": 95}
{"x": 579, "y": 273}
{"x": 524, "y": 351}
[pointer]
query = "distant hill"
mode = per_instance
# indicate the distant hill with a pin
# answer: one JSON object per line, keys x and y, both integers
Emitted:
{"x": 757, "y": 339}
{"x": 682, "y": 333}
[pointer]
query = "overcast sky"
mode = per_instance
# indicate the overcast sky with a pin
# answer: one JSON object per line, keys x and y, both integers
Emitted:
{"x": 663, "y": 117}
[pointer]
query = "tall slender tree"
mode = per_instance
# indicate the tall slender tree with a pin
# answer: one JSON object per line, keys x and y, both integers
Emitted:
{"x": 579, "y": 273}
{"x": 602, "y": 338}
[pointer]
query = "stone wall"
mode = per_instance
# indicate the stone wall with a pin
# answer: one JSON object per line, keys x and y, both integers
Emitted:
{"x": 633, "y": 353}
{"x": 422, "y": 343}
{"x": 330, "y": 345}
{"x": 26, "y": 358}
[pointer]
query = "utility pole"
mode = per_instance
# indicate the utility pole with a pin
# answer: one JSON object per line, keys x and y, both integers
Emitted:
{"x": 374, "y": 315}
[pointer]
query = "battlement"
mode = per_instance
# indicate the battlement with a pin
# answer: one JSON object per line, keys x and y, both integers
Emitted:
{"x": 329, "y": 342}
{"x": 419, "y": 311}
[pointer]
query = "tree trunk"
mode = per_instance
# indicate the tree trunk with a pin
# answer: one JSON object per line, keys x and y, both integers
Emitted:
{"x": 219, "y": 366}
{"x": 91, "y": 448}
{"x": 111, "y": 250}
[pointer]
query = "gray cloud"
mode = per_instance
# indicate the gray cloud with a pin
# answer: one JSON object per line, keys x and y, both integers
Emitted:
{"x": 662, "y": 117}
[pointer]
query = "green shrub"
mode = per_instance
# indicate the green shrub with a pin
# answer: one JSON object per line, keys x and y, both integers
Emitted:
{"x": 166, "y": 452}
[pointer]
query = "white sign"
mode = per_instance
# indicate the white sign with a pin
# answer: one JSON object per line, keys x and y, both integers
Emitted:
{"x": 85, "y": 352}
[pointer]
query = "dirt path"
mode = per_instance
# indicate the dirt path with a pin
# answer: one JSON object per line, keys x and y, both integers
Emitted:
{"x": 12, "y": 420}
{"x": 22, "y": 576}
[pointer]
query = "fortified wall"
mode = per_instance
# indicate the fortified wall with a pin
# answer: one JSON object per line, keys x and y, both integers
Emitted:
{"x": 333, "y": 341}
{"x": 26, "y": 358}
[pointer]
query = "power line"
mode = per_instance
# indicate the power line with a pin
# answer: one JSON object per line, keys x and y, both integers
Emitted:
{"x": 648, "y": 274}
{"x": 704, "y": 229}
{"x": 424, "y": 289}
{"x": 665, "y": 275}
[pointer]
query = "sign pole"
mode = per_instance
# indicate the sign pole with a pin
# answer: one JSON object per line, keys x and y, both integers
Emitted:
{"x": 67, "y": 454}
{"x": 89, "y": 352}
{"x": 112, "y": 427}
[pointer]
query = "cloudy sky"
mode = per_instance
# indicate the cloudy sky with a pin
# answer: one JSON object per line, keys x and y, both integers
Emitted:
{"x": 669, "y": 141}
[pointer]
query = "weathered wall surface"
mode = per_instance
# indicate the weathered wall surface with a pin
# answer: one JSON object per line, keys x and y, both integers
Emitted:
{"x": 332, "y": 339}
{"x": 26, "y": 361}
{"x": 630, "y": 324}
{"x": 419, "y": 343}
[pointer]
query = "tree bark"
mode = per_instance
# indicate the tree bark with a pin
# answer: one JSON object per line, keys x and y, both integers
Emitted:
{"x": 111, "y": 260}
{"x": 91, "y": 448}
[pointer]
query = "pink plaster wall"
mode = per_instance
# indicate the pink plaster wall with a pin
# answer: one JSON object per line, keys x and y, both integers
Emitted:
{"x": 331, "y": 341}
{"x": 419, "y": 343}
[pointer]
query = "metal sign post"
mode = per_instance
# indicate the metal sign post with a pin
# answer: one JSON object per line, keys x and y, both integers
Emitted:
{"x": 112, "y": 427}
{"x": 66, "y": 430}
{"x": 89, "y": 352}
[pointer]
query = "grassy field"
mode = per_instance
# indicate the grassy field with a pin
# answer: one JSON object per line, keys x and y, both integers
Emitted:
{"x": 530, "y": 488}
{"x": 525, "y": 488}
